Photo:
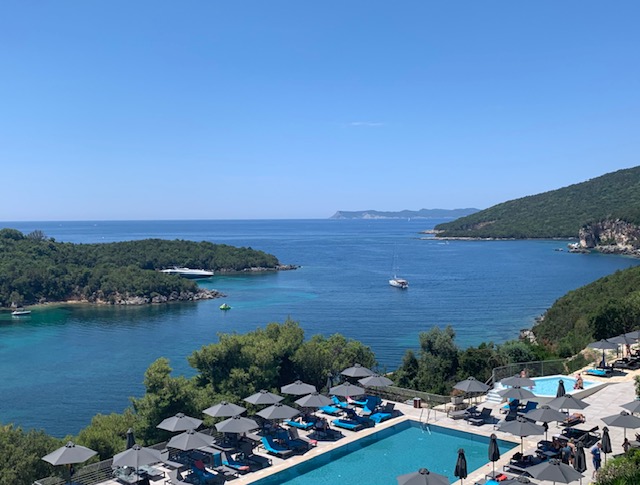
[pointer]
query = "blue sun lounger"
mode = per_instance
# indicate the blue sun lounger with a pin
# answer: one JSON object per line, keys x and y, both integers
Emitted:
{"x": 275, "y": 449}
{"x": 296, "y": 424}
{"x": 350, "y": 424}
{"x": 379, "y": 417}
{"x": 598, "y": 372}
{"x": 332, "y": 410}
{"x": 338, "y": 403}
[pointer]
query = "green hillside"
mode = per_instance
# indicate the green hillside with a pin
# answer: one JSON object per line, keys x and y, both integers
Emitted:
{"x": 558, "y": 213}
{"x": 605, "y": 308}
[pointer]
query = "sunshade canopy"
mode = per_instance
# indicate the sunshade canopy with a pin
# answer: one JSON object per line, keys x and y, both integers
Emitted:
{"x": 494, "y": 450}
{"x": 554, "y": 471}
{"x": 224, "y": 409}
{"x": 278, "y": 411}
{"x": 634, "y": 335}
{"x": 180, "y": 422}
{"x": 567, "y": 402}
{"x": 521, "y": 427}
{"x": 236, "y": 424}
{"x": 69, "y": 454}
{"x": 375, "y": 381}
{"x": 314, "y": 400}
{"x": 622, "y": 340}
{"x": 471, "y": 384}
{"x": 422, "y": 477}
{"x": 189, "y": 440}
{"x": 298, "y": 388}
{"x": 561, "y": 391}
{"x": 605, "y": 441}
{"x": 603, "y": 345}
{"x": 516, "y": 392}
{"x": 263, "y": 397}
{"x": 545, "y": 414}
{"x": 357, "y": 371}
{"x": 136, "y": 457}
{"x": 580, "y": 461}
{"x": 518, "y": 381}
{"x": 460, "y": 470}
{"x": 347, "y": 389}
{"x": 632, "y": 407}
{"x": 623, "y": 420}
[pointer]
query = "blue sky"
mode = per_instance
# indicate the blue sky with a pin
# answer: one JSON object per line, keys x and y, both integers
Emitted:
{"x": 291, "y": 109}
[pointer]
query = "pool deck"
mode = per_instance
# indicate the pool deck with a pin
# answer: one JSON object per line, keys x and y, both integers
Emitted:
{"x": 618, "y": 390}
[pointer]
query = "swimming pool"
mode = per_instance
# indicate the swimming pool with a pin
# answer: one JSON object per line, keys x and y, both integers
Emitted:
{"x": 548, "y": 386}
{"x": 379, "y": 458}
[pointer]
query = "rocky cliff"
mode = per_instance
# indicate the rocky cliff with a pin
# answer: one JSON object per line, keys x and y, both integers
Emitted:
{"x": 611, "y": 236}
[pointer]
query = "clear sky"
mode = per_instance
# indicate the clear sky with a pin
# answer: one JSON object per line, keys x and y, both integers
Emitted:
{"x": 120, "y": 109}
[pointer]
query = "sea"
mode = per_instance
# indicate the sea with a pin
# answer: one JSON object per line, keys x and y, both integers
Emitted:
{"x": 66, "y": 363}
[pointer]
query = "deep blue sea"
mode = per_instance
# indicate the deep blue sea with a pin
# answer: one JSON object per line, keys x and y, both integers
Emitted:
{"x": 64, "y": 364}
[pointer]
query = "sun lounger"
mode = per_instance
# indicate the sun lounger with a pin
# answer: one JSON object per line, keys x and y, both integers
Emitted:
{"x": 573, "y": 419}
{"x": 239, "y": 466}
{"x": 274, "y": 448}
{"x": 175, "y": 478}
{"x": 379, "y": 417}
{"x": 350, "y": 424}
{"x": 205, "y": 476}
{"x": 480, "y": 418}
{"x": 589, "y": 437}
{"x": 255, "y": 461}
{"x": 292, "y": 444}
{"x": 332, "y": 410}
{"x": 599, "y": 372}
{"x": 371, "y": 404}
{"x": 338, "y": 403}
{"x": 297, "y": 424}
{"x": 294, "y": 435}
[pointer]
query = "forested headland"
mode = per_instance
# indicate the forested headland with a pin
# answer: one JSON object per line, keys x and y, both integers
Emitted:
{"x": 559, "y": 213}
{"x": 37, "y": 269}
{"x": 605, "y": 308}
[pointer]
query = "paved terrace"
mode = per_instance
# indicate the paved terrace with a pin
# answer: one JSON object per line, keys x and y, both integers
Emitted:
{"x": 619, "y": 390}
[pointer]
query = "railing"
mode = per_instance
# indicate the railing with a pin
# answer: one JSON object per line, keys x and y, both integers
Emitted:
{"x": 538, "y": 368}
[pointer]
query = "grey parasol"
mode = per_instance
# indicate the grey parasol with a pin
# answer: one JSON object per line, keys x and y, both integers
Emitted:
{"x": 346, "y": 389}
{"x": 518, "y": 381}
{"x": 224, "y": 409}
{"x": 623, "y": 420}
{"x": 278, "y": 411}
{"x": 580, "y": 461}
{"x": 545, "y": 414}
{"x": 603, "y": 345}
{"x": 190, "y": 440}
{"x": 131, "y": 440}
{"x": 554, "y": 471}
{"x": 314, "y": 400}
{"x": 633, "y": 335}
{"x": 357, "y": 371}
{"x": 632, "y": 407}
{"x": 136, "y": 457}
{"x": 422, "y": 477}
{"x": 567, "y": 402}
{"x": 180, "y": 422}
{"x": 494, "y": 450}
{"x": 460, "y": 470}
{"x": 298, "y": 388}
{"x": 516, "y": 392}
{"x": 605, "y": 442}
{"x": 263, "y": 397}
{"x": 375, "y": 381}
{"x": 471, "y": 384}
{"x": 561, "y": 390}
{"x": 521, "y": 427}
{"x": 69, "y": 454}
{"x": 236, "y": 424}
{"x": 623, "y": 339}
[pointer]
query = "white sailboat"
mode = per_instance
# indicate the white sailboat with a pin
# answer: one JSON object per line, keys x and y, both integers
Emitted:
{"x": 395, "y": 281}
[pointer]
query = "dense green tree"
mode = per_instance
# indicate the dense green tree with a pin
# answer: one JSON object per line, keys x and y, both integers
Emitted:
{"x": 107, "y": 433}
{"x": 21, "y": 455}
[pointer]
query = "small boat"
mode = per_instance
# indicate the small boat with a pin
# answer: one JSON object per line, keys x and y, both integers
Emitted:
{"x": 399, "y": 282}
{"x": 225, "y": 307}
{"x": 192, "y": 274}
{"x": 20, "y": 312}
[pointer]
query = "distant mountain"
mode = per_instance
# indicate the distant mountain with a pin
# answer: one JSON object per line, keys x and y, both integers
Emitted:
{"x": 611, "y": 199}
{"x": 405, "y": 214}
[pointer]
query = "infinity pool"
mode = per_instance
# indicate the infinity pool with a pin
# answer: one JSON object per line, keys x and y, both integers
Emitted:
{"x": 378, "y": 459}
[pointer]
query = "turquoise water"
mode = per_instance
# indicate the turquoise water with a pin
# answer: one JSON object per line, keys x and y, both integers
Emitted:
{"x": 402, "y": 449}
{"x": 63, "y": 365}
{"x": 548, "y": 386}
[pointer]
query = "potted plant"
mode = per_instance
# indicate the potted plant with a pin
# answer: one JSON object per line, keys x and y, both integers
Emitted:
{"x": 457, "y": 396}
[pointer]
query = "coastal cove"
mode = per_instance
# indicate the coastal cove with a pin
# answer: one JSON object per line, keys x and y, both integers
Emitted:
{"x": 65, "y": 363}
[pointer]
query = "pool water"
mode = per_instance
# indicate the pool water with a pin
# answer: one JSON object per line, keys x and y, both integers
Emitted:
{"x": 380, "y": 458}
{"x": 548, "y": 386}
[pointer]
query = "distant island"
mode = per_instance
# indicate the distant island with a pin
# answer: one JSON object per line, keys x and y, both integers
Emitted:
{"x": 37, "y": 269}
{"x": 405, "y": 214}
{"x": 602, "y": 213}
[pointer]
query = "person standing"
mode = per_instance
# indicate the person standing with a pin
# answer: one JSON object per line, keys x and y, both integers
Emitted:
{"x": 626, "y": 445}
{"x": 597, "y": 458}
